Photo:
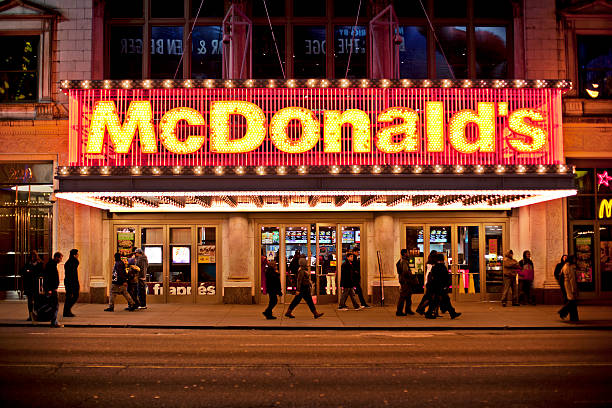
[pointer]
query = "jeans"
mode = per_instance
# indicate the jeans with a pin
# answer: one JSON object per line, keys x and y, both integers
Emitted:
{"x": 272, "y": 301}
{"x": 133, "y": 291}
{"x": 510, "y": 289}
{"x": 72, "y": 295}
{"x": 404, "y": 298}
{"x": 142, "y": 292}
{"x": 562, "y": 287}
{"x": 571, "y": 308}
{"x": 359, "y": 293}
{"x": 525, "y": 291}
{"x": 30, "y": 304}
{"x": 346, "y": 292}
{"x": 119, "y": 290}
{"x": 54, "y": 299}
{"x": 304, "y": 294}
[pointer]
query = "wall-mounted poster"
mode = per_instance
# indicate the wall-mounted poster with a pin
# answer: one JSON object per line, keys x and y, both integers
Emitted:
{"x": 125, "y": 242}
{"x": 207, "y": 253}
{"x": 584, "y": 261}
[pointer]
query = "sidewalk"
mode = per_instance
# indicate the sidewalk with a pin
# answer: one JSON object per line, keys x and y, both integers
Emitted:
{"x": 476, "y": 315}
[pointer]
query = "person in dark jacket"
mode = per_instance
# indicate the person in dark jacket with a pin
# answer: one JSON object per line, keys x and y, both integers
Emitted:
{"x": 526, "y": 275}
{"x": 143, "y": 263}
{"x": 119, "y": 285}
{"x": 428, "y": 295}
{"x": 304, "y": 285}
{"x": 571, "y": 290}
{"x": 357, "y": 278}
{"x": 71, "y": 282}
{"x": 273, "y": 288}
{"x": 406, "y": 280}
{"x": 559, "y": 277}
{"x": 50, "y": 285}
{"x": 347, "y": 283}
{"x": 133, "y": 271}
{"x": 439, "y": 279}
{"x": 32, "y": 270}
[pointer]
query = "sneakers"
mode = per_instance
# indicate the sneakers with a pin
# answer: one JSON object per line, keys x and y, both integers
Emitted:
{"x": 455, "y": 315}
{"x": 142, "y": 307}
{"x": 289, "y": 315}
{"x": 362, "y": 307}
{"x": 109, "y": 309}
{"x": 343, "y": 308}
{"x": 366, "y": 306}
{"x": 317, "y": 315}
{"x": 268, "y": 316}
{"x": 57, "y": 325}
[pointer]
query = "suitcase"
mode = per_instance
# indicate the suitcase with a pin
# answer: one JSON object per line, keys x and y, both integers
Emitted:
{"x": 44, "y": 304}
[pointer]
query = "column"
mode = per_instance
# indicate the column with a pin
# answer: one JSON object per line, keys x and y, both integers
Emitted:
{"x": 238, "y": 286}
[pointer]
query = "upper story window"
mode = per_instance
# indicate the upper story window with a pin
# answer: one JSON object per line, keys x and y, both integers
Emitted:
{"x": 19, "y": 68}
{"x": 595, "y": 65}
{"x": 151, "y": 39}
{"x": 469, "y": 39}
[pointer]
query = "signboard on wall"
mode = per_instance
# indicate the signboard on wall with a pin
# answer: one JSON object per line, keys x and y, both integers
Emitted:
{"x": 125, "y": 125}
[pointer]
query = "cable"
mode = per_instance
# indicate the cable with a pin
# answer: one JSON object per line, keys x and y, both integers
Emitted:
{"x": 280, "y": 61}
{"x": 188, "y": 37}
{"x": 348, "y": 63}
{"x": 437, "y": 41}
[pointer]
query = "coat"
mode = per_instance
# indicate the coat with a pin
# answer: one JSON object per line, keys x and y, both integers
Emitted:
{"x": 273, "y": 283}
{"x": 30, "y": 274}
{"x": 439, "y": 278}
{"x": 119, "y": 274}
{"x": 303, "y": 278}
{"x": 526, "y": 271}
{"x": 143, "y": 263}
{"x": 569, "y": 279}
{"x": 71, "y": 274}
{"x": 51, "y": 276}
{"x": 405, "y": 277}
{"x": 347, "y": 275}
{"x": 511, "y": 267}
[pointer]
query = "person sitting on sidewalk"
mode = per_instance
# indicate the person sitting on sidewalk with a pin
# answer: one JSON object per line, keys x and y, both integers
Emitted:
{"x": 347, "y": 283}
{"x": 119, "y": 285}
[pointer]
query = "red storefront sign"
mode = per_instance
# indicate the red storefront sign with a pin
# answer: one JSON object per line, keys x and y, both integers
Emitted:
{"x": 293, "y": 126}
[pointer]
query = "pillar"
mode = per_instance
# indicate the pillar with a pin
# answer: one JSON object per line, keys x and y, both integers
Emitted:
{"x": 238, "y": 286}
{"x": 385, "y": 242}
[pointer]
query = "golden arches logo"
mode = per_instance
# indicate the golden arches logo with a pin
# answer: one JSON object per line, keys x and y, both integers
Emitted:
{"x": 605, "y": 206}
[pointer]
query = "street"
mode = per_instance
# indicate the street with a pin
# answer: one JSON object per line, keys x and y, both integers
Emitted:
{"x": 76, "y": 367}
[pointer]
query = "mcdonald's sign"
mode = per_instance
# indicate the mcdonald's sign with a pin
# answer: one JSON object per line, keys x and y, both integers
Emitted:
{"x": 605, "y": 208}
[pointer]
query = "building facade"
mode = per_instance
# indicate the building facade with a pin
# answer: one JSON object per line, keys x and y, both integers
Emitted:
{"x": 450, "y": 127}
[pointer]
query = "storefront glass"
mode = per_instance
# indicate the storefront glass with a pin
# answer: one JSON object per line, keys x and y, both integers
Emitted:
{"x": 416, "y": 251}
{"x": 207, "y": 261}
{"x": 468, "y": 259}
{"x": 605, "y": 258}
{"x": 270, "y": 251}
{"x": 152, "y": 242}
{"x": 180, "y": 262}
{"x": 296, "y": 245}
{"x": 327, "y": 261}
{"x": 583, "y": 237}
{"x": 494, "y": 255}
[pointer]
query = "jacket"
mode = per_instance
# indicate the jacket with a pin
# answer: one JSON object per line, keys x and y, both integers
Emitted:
{"x": 30, "y": 274}
{"x": 356, "y": 271}
{"x": 51, "y": 276}
{"x": 347, "y": 274}
{"x": 71, "y": 274}
{"x": 439, "y": 278}
{"x": 405, "y": 276}
{"x": 303, "y": 278}
{"x": 273, "y": 283}
{"x": 143, "y": 263}
{"x": 119, "y": 273}
{"x": 511, "y": 266}
{"x": 569, "y": 279}
{"x": 526, "y": 271}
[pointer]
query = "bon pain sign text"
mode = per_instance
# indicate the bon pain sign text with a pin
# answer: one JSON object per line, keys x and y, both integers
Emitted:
{"x": 315, "y": 127}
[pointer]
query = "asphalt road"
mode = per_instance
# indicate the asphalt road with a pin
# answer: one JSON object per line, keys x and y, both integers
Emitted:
{"x": 43, "y": 367}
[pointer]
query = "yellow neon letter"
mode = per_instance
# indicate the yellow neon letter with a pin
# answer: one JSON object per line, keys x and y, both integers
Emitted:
{"x": 434, "y": 116}
{"x": 605, "y": 205}
{"x": 311, "y": 129}
{"x": 168, "y": 130}
{"x": 485, "y": 119}
{"x": 139, "y": 116}
{"x": 332, "y": 130}
{"x": 384, "y": 137}
{"x": 517, "y": 124}
{"x": 220, "y": 141}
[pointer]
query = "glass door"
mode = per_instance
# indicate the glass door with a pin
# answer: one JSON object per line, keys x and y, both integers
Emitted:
{"x": 467, "y": 282}
{"x": 494, "y": 256}
{"x": 180, "y": 261}
{"x": 296, "y": 245}
{"x": 583, "y": 243}
{"x": 270, "y": 250}
{"x": 605, "y": 256}
{"x": 152, "y": 244}
{"x": 207, "y": 264}
{"x": 415, "y": 245}
{"x": 327, "y": 263}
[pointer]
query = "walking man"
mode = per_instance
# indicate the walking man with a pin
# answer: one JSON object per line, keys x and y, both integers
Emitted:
{"x": 405, "y": 279}
{"x": 568, "y": 272}
{"x": 143, "y": 263}
{"x": 119, "y": 285}
{"x": 273, "y": 288}
{"x": 439, "y": 279}
{"x": 50, "y": 285}
{"x": 357, "y": 277}
{"x": 304, "y": 285}
{"x": 71, "y": 282}
{"x": 346, "y": 282}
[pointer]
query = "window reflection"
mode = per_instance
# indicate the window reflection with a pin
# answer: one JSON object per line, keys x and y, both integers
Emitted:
{"x": 491, "y": 52}
{"x": 309, "y": 51}
{"x": 265, "y": 59}
{"x": 350, "y": 40}
{"x": 413, "y": 52}
{"x": 206, "y": 52}
{"x": 166, "y": 51}
{"x": 595, "y": 65}
{"x": 454, "y": 45}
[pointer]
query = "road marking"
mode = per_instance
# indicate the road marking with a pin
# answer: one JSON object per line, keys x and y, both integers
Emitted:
{"x": 326, "y": 345}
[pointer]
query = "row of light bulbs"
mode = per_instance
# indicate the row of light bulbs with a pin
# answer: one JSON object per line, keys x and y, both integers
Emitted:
{"x": 333, "y": 169}
{"x": 315, "y": 83}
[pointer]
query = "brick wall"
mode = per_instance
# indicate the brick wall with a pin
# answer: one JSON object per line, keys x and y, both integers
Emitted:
{"x": 544, "y": 41}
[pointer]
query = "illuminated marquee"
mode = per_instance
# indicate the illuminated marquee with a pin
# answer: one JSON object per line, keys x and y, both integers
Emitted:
{"x": 260, "y": 126}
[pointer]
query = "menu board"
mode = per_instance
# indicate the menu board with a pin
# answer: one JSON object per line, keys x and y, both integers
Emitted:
{"x": 154, "y": 254}
{"x": 348, "y": 237}
{"x": 327, "y": 237}
{"x": 181, "y": 255}
{"x": 296, "y": 237}
{"x": 270, "y": 237}
{"x": 439, "y": 235}
{"x": 357, "y": 236}
{"x": 207, "y": 253}
{"x": 584, "y": 261}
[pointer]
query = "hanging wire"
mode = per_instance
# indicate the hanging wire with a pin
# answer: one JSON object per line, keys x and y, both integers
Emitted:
{"x": 348, "y": 63}
{"x": 188, "y": 38}
{"x": 437, "y": 41}
{"x": 280, "y": 61}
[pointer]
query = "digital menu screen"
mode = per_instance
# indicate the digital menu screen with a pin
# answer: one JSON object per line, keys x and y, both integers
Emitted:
{"x": 327, "y": 237}
{"x": 296, "y": 237}
{"x": 348, "y": 237}
{"x": 181, "y": 255}
{"x": 439, "y": 235}
{"x": 154, "y": 254}
{"x": 270, "y": 237}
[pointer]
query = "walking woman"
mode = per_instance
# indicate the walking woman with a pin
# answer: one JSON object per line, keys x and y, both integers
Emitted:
{"x": 304, "y": 285}
{"x": 32, "y": 270}
{"x": 526, "y": 279}
{"x": 427, "y": 296}
{"x": 571, "y": 289}
{"x": 559, "y": 277}
{"x": 273, "y": 288}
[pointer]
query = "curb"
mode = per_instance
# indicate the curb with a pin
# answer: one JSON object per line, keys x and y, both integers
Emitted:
{"x": 321, "y": 328}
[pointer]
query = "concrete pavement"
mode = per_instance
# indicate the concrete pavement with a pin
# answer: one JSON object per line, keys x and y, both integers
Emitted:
{"x": 475, "y": 315}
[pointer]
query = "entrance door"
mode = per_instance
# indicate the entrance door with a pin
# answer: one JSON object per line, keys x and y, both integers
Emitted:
{"x": 327, "y": 263}
{"x": 152, "y": 243}
{"x": 466, "y": 285}
{"x": 270, "y": 250}
{"x": 494, "y": 256}
{"x": 605, "y": 257}
{"x": 180, "y": 264}
{"x": 296, "y": 245}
